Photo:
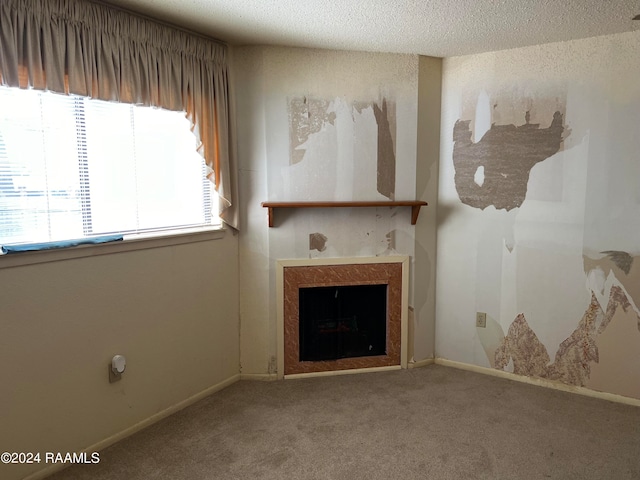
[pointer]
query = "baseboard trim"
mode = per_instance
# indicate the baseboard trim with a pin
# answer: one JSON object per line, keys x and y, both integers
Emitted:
{"x": 262, "y": 377}
{"x": 341, "y": 372}
{"x": 127, "y": 432}
{"x": 422, "y": 363}
{"x": 541, "y": 382}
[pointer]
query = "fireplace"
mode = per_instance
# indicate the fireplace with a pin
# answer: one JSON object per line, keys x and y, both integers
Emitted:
{"x": 341, "y": 315}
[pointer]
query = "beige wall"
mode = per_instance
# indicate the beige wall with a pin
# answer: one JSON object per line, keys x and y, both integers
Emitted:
{"x": 553, "y": 262}
{"x": 172, "y": 311}
{"x": 428, "y": 156}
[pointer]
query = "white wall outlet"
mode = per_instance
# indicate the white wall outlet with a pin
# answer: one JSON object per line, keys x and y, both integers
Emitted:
{"x": 481, "y": 319}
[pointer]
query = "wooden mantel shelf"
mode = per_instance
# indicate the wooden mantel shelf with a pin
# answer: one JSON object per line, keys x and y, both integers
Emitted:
{"x": 415, "y": 206}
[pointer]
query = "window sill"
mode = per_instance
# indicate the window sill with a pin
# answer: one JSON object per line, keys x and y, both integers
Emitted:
{"x": 129, "y": 244}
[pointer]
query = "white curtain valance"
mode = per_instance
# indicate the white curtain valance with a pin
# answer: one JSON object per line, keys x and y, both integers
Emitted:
{"x": 91, "y": 49}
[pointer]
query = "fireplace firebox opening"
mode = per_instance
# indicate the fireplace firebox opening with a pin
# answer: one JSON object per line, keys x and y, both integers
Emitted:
{"x": 342, "y": 322}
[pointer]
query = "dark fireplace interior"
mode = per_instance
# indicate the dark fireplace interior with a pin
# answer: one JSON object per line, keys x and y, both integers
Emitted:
{"x": 342, "y": 322}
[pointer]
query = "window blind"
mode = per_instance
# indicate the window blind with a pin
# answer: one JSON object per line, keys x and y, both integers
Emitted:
{"x": 73, "y": 167}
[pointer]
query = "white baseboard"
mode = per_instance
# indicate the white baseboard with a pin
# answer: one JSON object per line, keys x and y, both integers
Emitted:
{"x": 421, "y": 363}
{"x": 262, "y": 377}
{"x": 541, "y": 382}
{"x": 127, "y": 432}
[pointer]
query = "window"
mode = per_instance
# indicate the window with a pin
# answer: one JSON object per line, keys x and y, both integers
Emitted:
{"x": 73, "y": 167}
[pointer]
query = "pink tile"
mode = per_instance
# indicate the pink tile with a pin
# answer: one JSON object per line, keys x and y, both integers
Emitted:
{"x": 340, "y": 275}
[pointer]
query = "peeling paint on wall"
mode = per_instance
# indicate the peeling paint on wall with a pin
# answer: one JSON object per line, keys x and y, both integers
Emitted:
{"x": 309, "y": 116}
{"x": 585, "y": 197}
{"x": 573, "y": 359}
{"x": 317, "y": 241}
{"x": 572, "y": 363}
{"x": 521, "y": 345}
{"x": 306, "y": 116}
{"x": 625, "y": 271}
{"x": 507, "y": 153}
{"x": 386, "y": 153}
{"x": 619, "y": 357}
{"x": 391, "y": 240}
{"x": 622, "y": 260}
{"x": 617, "y": 298}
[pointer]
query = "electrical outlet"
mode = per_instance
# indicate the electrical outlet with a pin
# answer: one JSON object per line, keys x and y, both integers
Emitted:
{"x": 481, "y": 319}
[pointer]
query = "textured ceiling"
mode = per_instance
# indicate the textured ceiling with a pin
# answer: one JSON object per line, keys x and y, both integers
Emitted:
{"x": 441, "y": 28}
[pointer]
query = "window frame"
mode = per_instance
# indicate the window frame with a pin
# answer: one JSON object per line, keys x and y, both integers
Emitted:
{"x": 135, "y": 240}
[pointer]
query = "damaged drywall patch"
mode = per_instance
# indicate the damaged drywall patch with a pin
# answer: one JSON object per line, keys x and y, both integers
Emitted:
{"x": 624, "y": 268}
{"x": 622, "y": 260}
{"x": 530, "y": 357}
{"x": 507, "y": 154}
{"x": 306, "y": 116}
{"x": 617, "y": 298}
{"x": 522, "y": 345}
{"x": 573, "y": 359}
{"x": 369, "y": 138}
{"x": 386, "y": 152}
{"x": 389, "y": 243}
{"x": 317, "y": 241}
{"x": 618, "y": 368}
{"x": 391, "y": 240}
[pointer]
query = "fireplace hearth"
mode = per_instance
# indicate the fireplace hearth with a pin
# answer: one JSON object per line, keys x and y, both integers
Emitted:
{"x": 336, "y": 315}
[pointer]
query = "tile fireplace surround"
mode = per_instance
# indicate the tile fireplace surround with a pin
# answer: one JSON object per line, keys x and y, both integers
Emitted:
{"x": 291, "y": 275}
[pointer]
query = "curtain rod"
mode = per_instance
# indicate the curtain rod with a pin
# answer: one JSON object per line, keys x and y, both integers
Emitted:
{"x": 161, "y": 22}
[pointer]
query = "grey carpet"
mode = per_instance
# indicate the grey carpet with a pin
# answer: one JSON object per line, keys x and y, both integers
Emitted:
{"x": 426, "y": 423}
